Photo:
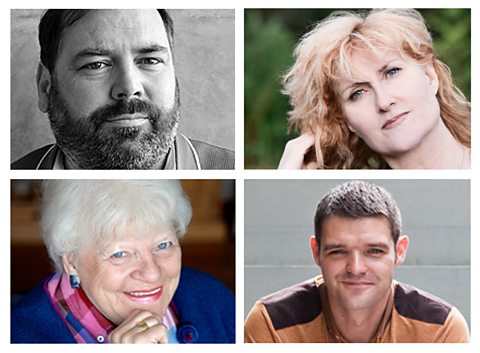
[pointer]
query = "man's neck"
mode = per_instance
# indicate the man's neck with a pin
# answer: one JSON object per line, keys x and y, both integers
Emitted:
{"x": 359, "y": 326}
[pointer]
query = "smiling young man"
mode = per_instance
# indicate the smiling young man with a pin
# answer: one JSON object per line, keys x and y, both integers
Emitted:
{"x": 107, "y": 81}
{"x": 357, "y": 244}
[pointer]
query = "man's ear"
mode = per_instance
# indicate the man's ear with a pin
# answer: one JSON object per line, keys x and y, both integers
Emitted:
{"x": 315, "y": 250}
{"x": 68, "y": 261}
{"x": 44, "y": 84}
{"x": 401, "y": 250}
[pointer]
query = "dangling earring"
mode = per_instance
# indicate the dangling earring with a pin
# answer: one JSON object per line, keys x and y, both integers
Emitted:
{"x": 74, "y": 281}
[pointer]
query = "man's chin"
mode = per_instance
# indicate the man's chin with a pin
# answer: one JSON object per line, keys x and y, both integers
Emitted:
{"x": 124, "y": 153}
{"x": 130, "y": 154}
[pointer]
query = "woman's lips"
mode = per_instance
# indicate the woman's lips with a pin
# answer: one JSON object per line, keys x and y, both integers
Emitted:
{"x": 395, "y": 121}
{"x": 145, "y": 296}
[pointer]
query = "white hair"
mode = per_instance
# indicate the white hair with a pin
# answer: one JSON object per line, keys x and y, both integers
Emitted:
{"x": 76, "y": 213}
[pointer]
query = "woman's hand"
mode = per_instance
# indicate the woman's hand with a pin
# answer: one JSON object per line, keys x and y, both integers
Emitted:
{"x": 140, "y": 327}
{"x": 295, "y": 152}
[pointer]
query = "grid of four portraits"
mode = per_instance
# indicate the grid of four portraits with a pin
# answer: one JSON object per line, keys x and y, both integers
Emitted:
{"x": 105, "y": 256}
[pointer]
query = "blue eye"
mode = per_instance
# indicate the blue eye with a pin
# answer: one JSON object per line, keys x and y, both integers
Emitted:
{"x": 392, "y": 72}
{"x": 164, "y": 245}
{"x": 356, "y": 94}
{"x": 118, "y": 255}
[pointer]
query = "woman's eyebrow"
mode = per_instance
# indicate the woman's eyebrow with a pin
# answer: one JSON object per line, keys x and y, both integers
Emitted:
{"x": 386, "y": 65}
{"x": 382, "y": 69}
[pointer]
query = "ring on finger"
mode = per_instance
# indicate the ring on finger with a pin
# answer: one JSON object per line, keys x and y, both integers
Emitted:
{"x": 143, "y": 326}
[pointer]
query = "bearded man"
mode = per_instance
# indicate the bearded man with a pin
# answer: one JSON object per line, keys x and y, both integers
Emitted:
{"x": 107, "y": 81}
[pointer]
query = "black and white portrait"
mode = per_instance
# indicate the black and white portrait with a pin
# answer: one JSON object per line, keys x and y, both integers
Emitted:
{"x": 122, "y": 89}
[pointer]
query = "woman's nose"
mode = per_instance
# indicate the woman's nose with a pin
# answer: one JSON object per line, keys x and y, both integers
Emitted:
{"x": 147, "y": 270}
{"x": 384, "y": 99}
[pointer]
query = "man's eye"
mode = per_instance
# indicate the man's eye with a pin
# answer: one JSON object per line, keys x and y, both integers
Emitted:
{"x": 337, "y": 252}
{"x": 375, "y": 251}
{"x": 98, "y": 65}
{"x": 150, "y": 61}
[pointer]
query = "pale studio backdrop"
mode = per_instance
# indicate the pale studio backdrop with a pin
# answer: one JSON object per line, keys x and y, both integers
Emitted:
{"x": 204, "y": 57}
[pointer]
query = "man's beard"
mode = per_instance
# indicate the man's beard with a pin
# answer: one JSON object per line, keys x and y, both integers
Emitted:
{"x": 88, "y": 145}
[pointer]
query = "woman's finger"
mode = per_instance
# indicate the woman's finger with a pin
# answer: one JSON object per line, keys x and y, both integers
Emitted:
{"x": 295, "y": 150}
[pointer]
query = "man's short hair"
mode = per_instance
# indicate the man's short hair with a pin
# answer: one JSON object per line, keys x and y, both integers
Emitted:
{"x": 54, "y": 22}
{"x": 356, "y": 199}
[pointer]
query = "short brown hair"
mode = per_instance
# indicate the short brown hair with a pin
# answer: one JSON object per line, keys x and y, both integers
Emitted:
{"x": 355, "y": 199}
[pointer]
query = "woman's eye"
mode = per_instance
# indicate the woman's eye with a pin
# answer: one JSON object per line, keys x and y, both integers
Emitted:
{"x": 392, "y": 72}
{"x": 164, "y": 245}
{"x": 356, "y": 94}
{"x": 118, "y": 255}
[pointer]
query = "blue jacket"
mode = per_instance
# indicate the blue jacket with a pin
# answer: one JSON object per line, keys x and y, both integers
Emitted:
{"x": 201, "y": 301}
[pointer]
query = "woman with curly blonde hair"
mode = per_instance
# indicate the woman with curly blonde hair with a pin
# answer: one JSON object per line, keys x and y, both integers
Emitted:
{"x": 368, "y": 91}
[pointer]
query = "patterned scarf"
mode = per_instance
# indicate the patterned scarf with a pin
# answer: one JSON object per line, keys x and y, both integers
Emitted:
{"x": 84, "y": 321}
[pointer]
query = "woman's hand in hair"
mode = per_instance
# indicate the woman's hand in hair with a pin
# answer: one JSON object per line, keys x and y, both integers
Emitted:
{"x": 299, "y": 153}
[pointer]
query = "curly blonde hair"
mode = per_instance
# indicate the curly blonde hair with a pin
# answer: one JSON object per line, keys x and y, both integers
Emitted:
{"x": 323, "y": 56}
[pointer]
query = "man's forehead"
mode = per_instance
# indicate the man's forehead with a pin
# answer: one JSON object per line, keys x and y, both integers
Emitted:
{"x": 115, "y": 30}
{"x": 340, "y": 228}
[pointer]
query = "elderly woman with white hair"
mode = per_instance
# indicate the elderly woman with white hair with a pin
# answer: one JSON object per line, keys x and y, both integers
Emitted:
{"x": 118, "y": 276}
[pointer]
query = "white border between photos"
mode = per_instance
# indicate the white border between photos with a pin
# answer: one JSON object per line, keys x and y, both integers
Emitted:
{"x": 239, "y": 174}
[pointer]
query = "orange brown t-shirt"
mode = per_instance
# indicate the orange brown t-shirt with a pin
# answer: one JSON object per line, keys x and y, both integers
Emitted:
{"x": 300, "y": 314}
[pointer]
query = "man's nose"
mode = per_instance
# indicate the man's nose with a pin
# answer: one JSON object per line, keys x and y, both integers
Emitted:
{"x": 127, "y": 83}
{"x": 356, "y": 264}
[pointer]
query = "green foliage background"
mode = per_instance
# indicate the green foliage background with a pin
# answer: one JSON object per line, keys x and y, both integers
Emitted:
{"x": 270, "y": 36}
